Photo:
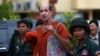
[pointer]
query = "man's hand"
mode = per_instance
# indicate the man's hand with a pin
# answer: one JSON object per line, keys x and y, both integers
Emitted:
{"x": 50, "y": 27}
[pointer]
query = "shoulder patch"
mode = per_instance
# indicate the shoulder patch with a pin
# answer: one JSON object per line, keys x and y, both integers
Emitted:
{"x": 85, "y": 52}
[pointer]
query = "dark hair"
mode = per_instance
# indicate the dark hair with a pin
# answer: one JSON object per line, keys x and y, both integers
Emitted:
{"x": 39, "y": 22}
{"x": 95, "y": 22}
{"x": 29, "y": 24}
{"x": 50, "y": 7}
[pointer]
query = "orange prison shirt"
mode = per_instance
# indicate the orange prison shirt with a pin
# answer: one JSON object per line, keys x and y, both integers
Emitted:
{"x": 40, "y": 46}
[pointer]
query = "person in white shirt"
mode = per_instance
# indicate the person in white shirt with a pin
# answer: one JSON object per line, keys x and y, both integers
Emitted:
{"x": 94, "y": 31}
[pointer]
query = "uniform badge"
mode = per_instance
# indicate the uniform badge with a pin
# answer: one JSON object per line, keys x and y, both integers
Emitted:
{"x": 84, "y": 52}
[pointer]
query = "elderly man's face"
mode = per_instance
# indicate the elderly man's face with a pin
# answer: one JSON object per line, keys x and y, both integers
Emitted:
{"x": 45, "y": 13}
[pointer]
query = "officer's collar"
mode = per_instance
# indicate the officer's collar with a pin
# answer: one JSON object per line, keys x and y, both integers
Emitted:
{"x": 85, "y": 42}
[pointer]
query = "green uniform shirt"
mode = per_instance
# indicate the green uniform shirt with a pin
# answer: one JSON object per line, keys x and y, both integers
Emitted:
{"x": 22, "y": 50}
{"x": 89, "y": 48}
{"x": 17, "y": 49}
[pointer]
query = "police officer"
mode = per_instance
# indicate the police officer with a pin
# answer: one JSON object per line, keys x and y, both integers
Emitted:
{"x": 18, "y": 44}
{"x": 79, "y": 28}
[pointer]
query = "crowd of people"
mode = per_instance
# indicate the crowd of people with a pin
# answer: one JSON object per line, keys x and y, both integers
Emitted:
{"x": 52, "y": 38}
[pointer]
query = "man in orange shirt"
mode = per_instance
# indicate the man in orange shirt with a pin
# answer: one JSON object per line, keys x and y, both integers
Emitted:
{"x": 51, "y": 38}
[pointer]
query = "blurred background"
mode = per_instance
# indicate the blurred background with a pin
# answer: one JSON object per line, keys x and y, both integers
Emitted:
{"x": 87, "y": 9}
{"x": 64, "y": 11}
